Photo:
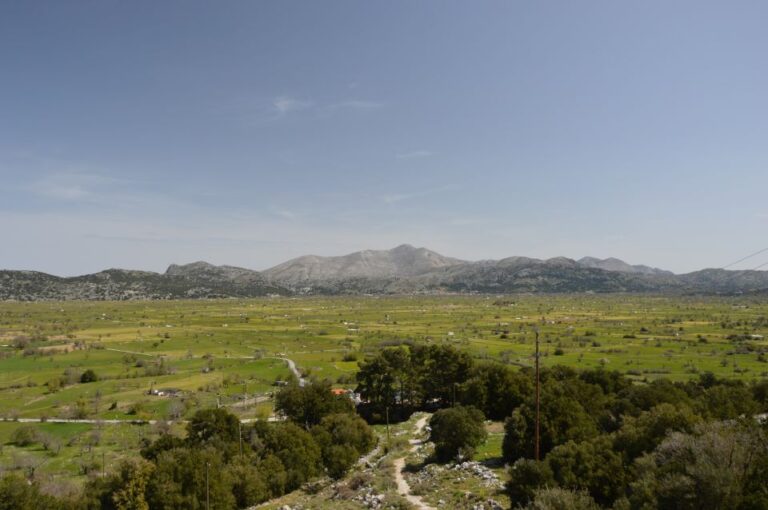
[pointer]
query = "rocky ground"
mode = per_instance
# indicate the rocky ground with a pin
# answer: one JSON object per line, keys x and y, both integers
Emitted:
{"x": 467, "y": 485}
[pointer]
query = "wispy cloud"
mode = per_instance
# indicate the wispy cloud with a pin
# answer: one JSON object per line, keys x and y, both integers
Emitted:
{"x": 285, "y": 104}
{"x": 401, "y": 197}
{"x": 70, "y": 186}
{"x": 284, "y": 213}
{"x": 413, "y": 154}
{"x": 64, "y": 192}
{"x": 356, "y": 104}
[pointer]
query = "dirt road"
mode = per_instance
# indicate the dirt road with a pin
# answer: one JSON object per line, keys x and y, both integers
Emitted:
{"x": 402, "y": 485}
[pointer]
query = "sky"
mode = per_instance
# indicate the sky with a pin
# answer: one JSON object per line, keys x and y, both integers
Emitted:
{"x": 137, "y": 134}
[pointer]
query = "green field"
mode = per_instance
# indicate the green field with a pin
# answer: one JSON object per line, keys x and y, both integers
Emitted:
{"x": 227, "y": 351}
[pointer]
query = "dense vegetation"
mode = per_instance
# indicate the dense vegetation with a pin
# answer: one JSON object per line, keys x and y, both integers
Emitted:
{"x": 658, "y": 445}
{"x": 618, "y": 444}
{"x": 220, "y": 461}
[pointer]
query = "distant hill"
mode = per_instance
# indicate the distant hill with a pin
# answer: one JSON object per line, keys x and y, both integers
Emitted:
{"x": 723, "y": 281}
{"x": 520, "y": 274}
{"x": 199, "y": 280}
{"x": 613, "y": 264}
{"x": 400, "y": 262}
{"x": 407, "y": 269}
{"x": 401, "y": 270}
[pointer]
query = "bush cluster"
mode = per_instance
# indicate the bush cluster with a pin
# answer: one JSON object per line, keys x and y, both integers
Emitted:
{"x": 606, "y": 441}
{"x": 235, "y": 465}
{"x": 661, "y": 444}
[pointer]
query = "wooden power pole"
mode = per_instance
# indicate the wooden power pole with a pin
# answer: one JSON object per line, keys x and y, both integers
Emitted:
{"x": 207, "y": 488}
{"x": 386, "y": 409}
{"x": 538, "y": 399}
{"x": 240, "y": 435}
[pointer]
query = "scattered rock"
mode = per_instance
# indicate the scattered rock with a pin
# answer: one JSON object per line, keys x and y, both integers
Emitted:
{"x": 488, "y": 477}
{"x": 369, "y": 498}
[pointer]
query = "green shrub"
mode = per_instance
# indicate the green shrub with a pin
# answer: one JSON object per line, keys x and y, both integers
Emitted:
{"x": 25, "y": 435}
{"x": 456, "y": 432}
{"x": 89, "y": 376}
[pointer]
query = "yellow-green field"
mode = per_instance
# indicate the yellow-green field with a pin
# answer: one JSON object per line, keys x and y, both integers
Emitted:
{"x": 225, "y": 348}
{"x": 228, "y": 351}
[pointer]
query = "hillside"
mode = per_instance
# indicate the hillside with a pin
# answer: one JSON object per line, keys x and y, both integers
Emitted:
{"x": 400, "y": 262}
{"x": 401, "y": 270}
{"x": 614, "y": 264}
{"x": 193, "y": 281}
{"x": 406, "y": 269}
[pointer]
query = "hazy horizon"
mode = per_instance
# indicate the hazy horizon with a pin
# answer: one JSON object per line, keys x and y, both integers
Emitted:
{"x": 136, "y": 135}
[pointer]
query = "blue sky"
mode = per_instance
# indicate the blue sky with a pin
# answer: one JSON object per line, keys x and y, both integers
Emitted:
{"x": 138, "y": 134}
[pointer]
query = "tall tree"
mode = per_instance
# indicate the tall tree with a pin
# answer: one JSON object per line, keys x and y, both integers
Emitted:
{"x": 457, "y": 431}
{"x": 441, "y": 370}
{"x": 187, "y": 477}
{"x": 719, "y": 466}
{"x": 296, "y": 449}
{"x": 208, "y": 425}
{"x": 562, "y": 419}
{"x": 496, "y": 390}
{"x": 343, "y": 438}
{"x": 307, "y": 405}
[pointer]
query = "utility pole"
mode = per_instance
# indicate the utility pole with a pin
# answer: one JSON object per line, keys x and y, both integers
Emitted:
{"x": 207, "y": 488}
{"x": 538, "y": 398}
{"x": 240, "y": 435}
{"x": 386, "y": 410}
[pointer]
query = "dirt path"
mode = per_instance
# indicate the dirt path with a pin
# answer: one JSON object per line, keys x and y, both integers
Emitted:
{"x": 402, "y": 485}
{"x": 258, "y": 399}
{"x": 290, "y": 362}
{"x": 131, "y": 352}
{"x": 292, "y": 366}
{"x": 90, "y": 421}
{"x": 94, "y": 421}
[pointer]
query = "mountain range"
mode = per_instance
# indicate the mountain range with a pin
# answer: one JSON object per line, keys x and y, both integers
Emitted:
{"x": 401, "y": 270}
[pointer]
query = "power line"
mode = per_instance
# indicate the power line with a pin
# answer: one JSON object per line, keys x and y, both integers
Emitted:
{"x": 761, "y": 265}
{"x": 745, "y": 258}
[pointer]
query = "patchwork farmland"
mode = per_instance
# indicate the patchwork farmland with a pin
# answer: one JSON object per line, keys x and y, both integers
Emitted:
{"x": 164, "y": 360}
